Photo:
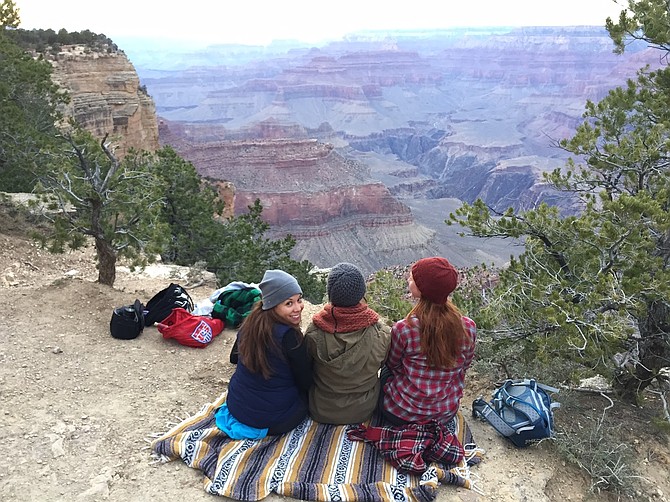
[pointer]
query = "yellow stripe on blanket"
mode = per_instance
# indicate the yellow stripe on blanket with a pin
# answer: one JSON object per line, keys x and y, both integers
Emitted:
{"x": 312, "y": 462}
{"x": 294, "y": 448}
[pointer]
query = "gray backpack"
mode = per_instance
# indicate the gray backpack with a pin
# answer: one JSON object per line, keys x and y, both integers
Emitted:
{"x": 521, "y": 410}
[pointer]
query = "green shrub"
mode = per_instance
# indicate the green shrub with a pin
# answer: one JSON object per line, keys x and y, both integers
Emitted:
{"x": 387, "y": 294}
{"x": 598, "y": 443}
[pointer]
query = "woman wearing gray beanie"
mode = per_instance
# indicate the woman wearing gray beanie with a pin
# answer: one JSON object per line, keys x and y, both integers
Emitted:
{"x": 348, "y": 343}
{"x": 267, "y": 394}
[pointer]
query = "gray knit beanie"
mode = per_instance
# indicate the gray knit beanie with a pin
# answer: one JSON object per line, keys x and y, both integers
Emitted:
{"x": 276, "y": 287}
{"x": 346, "y": 285}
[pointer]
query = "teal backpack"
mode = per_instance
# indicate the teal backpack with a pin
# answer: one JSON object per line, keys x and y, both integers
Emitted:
{"x": 521, "y": 410}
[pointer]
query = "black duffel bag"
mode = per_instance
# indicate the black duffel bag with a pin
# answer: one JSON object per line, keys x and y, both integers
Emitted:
{"x": 162, "y": 303}
{"x": 127, "y": 322}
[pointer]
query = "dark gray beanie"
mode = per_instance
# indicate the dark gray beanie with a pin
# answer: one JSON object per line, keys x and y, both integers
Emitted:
{"x": 276, "y": 287}
{"x": 346, "y": 285}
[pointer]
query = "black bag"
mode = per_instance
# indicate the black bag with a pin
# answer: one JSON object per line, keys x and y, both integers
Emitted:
{"x": 162, "y": 303}
{"x": 127, "y": 322}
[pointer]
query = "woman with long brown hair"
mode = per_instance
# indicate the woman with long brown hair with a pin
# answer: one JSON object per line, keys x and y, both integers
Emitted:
{"x": 430, "y": 350}
{"x": 267, "y": 394}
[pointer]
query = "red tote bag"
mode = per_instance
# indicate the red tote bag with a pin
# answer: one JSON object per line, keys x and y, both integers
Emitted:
{"x": 188, "y": 329}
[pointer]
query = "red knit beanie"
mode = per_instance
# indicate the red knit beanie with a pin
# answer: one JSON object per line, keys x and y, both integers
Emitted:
{"x": 435, "y": 278}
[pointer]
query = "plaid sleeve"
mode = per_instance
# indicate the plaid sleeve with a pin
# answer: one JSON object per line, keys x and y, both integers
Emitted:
{"x": 397, "y": 345}
{"x": 410, "y": 447}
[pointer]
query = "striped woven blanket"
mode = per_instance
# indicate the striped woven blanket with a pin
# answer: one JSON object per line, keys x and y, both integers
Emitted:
{"x": 312, "y": 462}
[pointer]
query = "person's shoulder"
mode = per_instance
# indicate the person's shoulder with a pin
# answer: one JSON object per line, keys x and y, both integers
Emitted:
{"x": 402, "y": 324}
{"x": 383, "y": 326}
{"x": 470, "y": 327}
{"x": 312, "y": 330}
{"x": 281, "y": 329}
{"x": 468, "y": 323}
{"x": 289, "y": 336}
{"x": 380, "y": 328}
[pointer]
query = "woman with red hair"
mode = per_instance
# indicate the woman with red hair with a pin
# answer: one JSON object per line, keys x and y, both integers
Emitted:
{"x": 430, "y": 350}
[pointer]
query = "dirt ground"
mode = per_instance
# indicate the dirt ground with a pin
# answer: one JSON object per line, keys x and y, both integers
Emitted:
{"x": 78, "y": 406}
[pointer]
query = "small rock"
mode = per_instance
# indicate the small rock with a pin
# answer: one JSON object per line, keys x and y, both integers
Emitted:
{"x": 59, "y": 428}
{"x": 99, "y": 489}
{"x": 57, "y": 449}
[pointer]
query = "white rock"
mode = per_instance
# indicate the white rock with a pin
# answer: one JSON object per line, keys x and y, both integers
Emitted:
{"x": 57, "y": 449}
{"x": 597, "y": 382}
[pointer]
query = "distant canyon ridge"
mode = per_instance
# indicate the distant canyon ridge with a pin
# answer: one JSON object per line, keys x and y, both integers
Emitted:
{"x": 360, "y": 148}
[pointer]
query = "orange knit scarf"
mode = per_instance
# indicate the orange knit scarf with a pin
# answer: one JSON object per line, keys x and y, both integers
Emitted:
{"x": 345, "y": 319}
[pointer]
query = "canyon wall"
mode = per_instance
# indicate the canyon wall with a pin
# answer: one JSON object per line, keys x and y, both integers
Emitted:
{"x": 477, "y": 111}
{"x": 329, "y": 204}
{"x": 107, "y": 98}
{"x": 339, "y": 141}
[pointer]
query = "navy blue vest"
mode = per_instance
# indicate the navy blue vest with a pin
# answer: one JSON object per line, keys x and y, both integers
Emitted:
{"x": 262, "y": 403}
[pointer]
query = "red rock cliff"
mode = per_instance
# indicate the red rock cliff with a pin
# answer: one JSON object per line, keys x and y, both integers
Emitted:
{"x": 327, "y": 202}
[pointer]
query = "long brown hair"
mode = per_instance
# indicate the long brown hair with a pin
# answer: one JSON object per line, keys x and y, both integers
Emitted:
{"x": 442, "y": 331}
{"x": 256, "y": 340}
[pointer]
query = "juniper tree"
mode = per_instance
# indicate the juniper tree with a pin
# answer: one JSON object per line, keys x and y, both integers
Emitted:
{"x": 191, "y": 210}
{"x": 594, "y": 288}
{"x": 118, "y": 204}
{"x": 9, "y": 14}
{"x": 29, "y": 103}
{"x": 244, "y": 251}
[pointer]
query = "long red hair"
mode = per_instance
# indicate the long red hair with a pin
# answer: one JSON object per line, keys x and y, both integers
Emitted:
{"x": 442, "y": 331}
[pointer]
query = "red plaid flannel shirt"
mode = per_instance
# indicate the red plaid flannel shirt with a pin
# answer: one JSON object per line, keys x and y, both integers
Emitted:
{"x": 417, "y": 391}
{"x": 411, "y": 447}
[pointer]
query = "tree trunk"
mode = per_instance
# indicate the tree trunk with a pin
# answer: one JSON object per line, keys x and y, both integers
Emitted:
{"x": 106, "y": 262}
{"x": 653, "y": 353}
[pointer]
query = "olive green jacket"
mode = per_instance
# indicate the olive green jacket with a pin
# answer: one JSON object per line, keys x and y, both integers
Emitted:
{"x": 346, "y": 372}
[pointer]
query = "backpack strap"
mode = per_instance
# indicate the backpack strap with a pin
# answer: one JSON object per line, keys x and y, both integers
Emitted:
{"x": 552, "y": 390}
{"x": 482, "y": 409}
{"x": 547, "y": 388}
{"x": 532, "y": 383}
{"x": 139, "y": 312}
{"x": 533, "y": 407}
{"x": 527, "y": 408}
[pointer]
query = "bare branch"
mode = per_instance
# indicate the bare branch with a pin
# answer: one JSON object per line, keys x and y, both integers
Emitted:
{"x": 114, "y": 161}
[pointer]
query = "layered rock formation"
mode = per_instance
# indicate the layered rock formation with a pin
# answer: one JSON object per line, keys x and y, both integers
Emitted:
{"x": 447, "y": 116}
{"x": 478, "y": 111}
{"x": 329, "y": 204}
{"x": 106, "y": 97}
{"x": 499, "y": 173}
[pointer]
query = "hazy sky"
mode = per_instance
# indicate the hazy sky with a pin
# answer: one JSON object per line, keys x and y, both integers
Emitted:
{"x": 260, "y": 21}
